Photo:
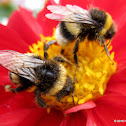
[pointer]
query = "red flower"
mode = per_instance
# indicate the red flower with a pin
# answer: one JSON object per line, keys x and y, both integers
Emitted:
{"x": 20, "y": 109}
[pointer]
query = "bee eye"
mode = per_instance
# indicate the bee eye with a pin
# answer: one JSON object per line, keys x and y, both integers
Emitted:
{"x": 110, "y": 34}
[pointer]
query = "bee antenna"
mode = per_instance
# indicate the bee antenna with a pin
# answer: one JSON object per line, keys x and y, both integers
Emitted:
{"x": 106, "y": 45}
{"x": 45, "y": 50}
{"x": 108, "y": 54}
{"x": 73, "y": 98}
{"x": 46, "y": 46}
{"x": 73, "y": 91}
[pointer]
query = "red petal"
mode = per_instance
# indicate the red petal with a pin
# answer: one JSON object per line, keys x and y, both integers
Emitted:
{"x": 87, "y": 105}
{"x": 74, "y": 119}
{"x": 89, "y": 121}
{"x": 117, "y": 83}
{"x": 14, "y": 118}
{"x": 25, "y": 25}
{"x": 5, "y": 96}
{"x": 4, "y": 77}
{"x": 45, "y": 23}
{"x": 9, "y": 39}
{"x": 22, "y": 100}
{"x": 118, "y": 45}
{"x": 54, "y": 118}
{"x": 13, "y": 106}
{"x": 17, "y": 100}
{"x": 80, "y": 3}
{"x": 120, "y": 58}
{"x": 112, "y": 100}
{"x": 4, "y": 109}
{"x": 33, "y": 118}
{"x": 109, "y": 108}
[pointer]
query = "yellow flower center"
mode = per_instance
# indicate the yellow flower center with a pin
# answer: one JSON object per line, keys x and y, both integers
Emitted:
{"x": 93, "y": 73}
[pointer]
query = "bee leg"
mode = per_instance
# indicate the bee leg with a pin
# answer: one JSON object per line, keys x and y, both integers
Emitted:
{"x": 40, "y": 101}
{"x": 46, "y": 46}
{"x": 59, "y": 96}
{"x": 75, "y": 50}
{"x": 68, "y": 88}
{"x": 19, "y": 89}
{"x": 73, "y": 98}
{"x": 102, "y": 41}
{"x": 64, "y": 92}
{"x": 51, "y": 42}
{"x": 45, "y": 51}
{"x": 61, "y": 59}
{"x": 73, "y": 87}
{"x": 62, "y": 51}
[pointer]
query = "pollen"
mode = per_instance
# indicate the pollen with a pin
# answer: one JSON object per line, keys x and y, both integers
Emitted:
{"x": 92, "y": 75}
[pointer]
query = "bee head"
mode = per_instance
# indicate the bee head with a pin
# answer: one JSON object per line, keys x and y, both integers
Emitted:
{"x": 110, "y": 33}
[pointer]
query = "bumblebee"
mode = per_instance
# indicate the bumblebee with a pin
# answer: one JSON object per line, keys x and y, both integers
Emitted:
{"x": 77, "y": 23}
{"x": 48, "y": 75}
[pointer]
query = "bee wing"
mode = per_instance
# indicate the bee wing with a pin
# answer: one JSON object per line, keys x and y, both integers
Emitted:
{"x": 19, "y": 63}
{"x": 58, "y": 9}
{"x": 70, "y": 13}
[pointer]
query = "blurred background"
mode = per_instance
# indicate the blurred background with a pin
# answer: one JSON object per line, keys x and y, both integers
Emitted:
{"x": 8, "y": 6}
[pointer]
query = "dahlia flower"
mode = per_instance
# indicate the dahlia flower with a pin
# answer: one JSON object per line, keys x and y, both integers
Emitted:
{"x": 100, "y": 90}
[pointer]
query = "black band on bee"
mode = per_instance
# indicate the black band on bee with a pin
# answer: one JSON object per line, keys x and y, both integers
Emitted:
{"x": 65, "y": 32}
{"x": 99, "y": 16}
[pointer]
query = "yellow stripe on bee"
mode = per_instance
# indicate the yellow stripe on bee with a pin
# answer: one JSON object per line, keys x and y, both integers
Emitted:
{"x": 107, "y": 24}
